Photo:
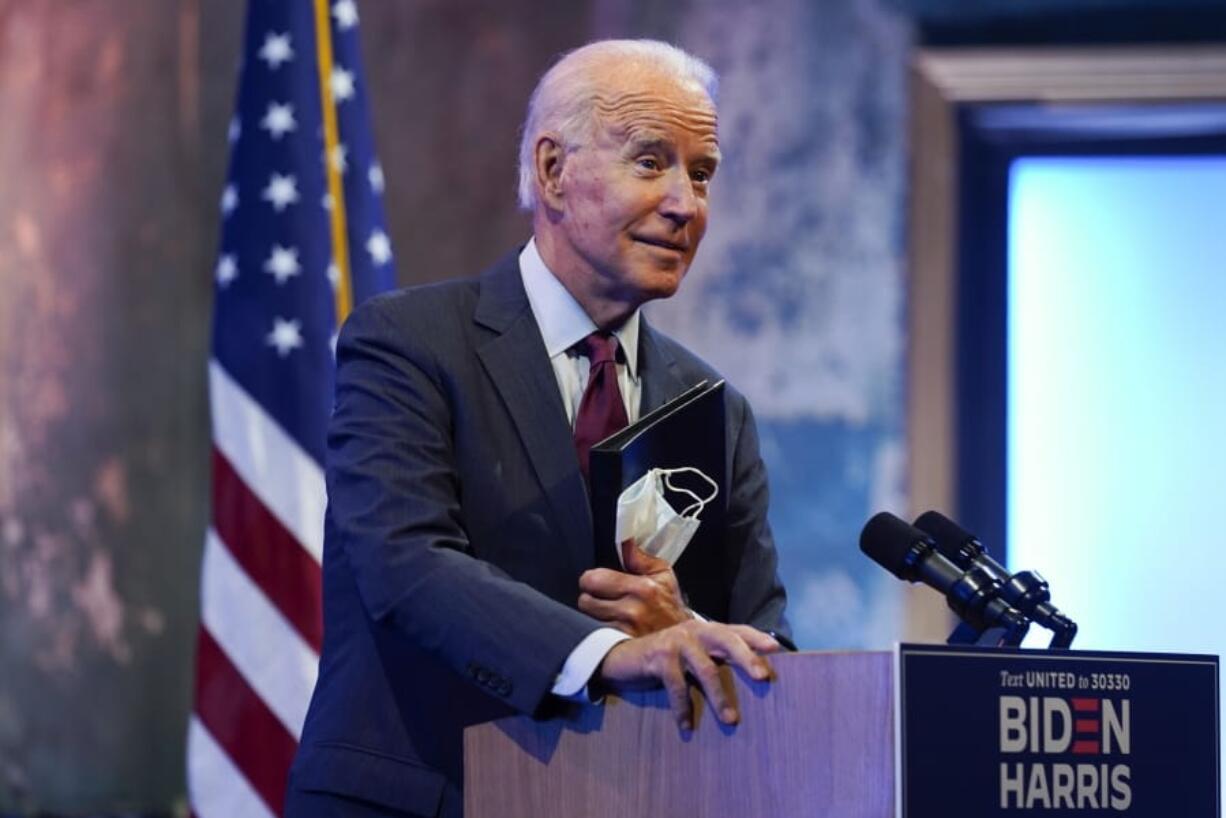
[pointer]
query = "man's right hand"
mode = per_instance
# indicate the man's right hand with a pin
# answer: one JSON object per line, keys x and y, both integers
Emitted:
{"x": 666, "y": 656}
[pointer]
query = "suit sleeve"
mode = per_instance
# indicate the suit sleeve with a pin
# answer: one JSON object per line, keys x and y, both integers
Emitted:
{"x": 758, "y": 597}
{"x": 394, "y": 511}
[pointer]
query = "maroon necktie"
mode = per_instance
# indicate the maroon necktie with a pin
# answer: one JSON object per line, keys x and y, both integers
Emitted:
{"x": 601, "y": 412}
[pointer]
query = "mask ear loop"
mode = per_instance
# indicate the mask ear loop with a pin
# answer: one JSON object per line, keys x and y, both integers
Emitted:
{"x": 695, "y": 508}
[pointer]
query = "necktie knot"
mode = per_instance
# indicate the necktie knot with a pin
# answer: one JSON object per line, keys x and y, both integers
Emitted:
{"x": 599, "y": 348}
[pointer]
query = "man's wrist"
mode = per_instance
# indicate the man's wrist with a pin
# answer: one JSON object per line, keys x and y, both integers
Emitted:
{"x": 583, "y": 664}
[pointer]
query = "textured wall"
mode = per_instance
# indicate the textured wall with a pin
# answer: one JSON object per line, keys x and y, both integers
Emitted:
{"x": 113, "y": 154}
{"x": 102, "y": 306}
{"x": 448, "y": 81}
{"x": 798, "y": 295}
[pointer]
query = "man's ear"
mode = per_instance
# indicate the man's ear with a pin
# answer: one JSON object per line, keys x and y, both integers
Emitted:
{"x": 549, "y": 156}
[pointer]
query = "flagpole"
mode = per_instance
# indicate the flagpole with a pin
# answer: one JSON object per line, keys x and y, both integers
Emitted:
{"x": 332, "y": 171}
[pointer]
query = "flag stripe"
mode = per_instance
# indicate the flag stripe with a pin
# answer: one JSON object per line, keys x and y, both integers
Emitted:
{"x": 269, "y": 653}
{"x": 241, "y": 725}
{"x": 302, "y": 190}
{"x": 267, "y": 552}
{"x": 286, "y": 479}
{"x": 218, "y": 788}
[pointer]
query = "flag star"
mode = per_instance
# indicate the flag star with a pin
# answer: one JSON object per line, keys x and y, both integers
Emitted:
{"x": 282, "y": 264}
{"x": 340, "y": 158}
{"x": 276, "y": 50}
{"x": 235, "y": 130}
{"x": 342, "y": 84}
{"x": 229, "y": 199}
{"x": 334, "y": 275}
{"x": 227, "y": 270}
{"x": 326, "y": 202}
{"x": 375, "y": 176}
{"x": 346, "y": 14}
{"x": 279, "y": 119}
{"x": 286, "y": 336}
{"x": 379, "y": 247}
{"x": 282, "y": 191}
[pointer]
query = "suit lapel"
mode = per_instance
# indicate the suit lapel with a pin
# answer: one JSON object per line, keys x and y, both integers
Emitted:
{"x": 515, "y": 359}
{"x": 658, "y": 370}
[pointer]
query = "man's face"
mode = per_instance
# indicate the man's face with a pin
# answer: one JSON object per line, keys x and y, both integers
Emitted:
{"x": 634, "y": 197}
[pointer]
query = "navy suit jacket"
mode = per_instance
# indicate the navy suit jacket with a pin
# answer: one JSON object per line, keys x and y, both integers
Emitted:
{"x": 458, "y": 524}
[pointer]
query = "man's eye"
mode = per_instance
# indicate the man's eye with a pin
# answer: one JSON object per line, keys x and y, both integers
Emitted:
{"x": 648, "y": 163}
{"x": 701, "y": 176}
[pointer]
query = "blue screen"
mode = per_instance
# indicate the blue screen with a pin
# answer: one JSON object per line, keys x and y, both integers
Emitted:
{"x": 1116, "y": 422}
{"x": 1116, "y": 463}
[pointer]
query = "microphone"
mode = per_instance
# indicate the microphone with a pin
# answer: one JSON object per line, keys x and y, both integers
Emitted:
{"x": 910, "y": 554}
{"x": 1026, "y": 591}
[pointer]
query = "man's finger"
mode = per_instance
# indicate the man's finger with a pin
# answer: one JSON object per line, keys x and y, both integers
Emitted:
{"x": 625, "y": 610}
{"x": 607, "y": 583}
{"x": 758, "y": 640}
{"x": 706, "y": 674}
{"x": 638, "y": 561}
{"x": 678, "y": 690}
{"x": 728, "y": 643}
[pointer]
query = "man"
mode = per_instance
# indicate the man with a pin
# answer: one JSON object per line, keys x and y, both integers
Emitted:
{"x": 458, "y": 579}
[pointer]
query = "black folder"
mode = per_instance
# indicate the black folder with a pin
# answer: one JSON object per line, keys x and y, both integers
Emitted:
{"x": 686, "y": 431}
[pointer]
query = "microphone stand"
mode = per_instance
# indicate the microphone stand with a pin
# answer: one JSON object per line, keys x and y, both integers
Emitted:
{"x": 969, "y": 598}
{"x": 997, "y": 637}
{"x": 1029, "y": 593}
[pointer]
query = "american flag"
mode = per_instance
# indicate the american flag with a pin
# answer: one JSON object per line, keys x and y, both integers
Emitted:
{"x": 303, "y": 238}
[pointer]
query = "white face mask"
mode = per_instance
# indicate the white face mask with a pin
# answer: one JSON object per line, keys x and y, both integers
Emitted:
{"x": 645, "y": 515}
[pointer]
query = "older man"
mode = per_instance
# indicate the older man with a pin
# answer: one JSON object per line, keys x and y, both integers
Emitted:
{"x": 458, "y": 562}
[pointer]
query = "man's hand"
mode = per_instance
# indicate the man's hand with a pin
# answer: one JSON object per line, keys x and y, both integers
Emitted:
{"x": 645, "y": 600}
{"x": 666, "y": 657}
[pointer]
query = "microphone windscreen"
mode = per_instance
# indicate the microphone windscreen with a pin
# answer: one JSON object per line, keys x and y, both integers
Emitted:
{"x": 887, "y": 539}
{"x": 950, "y": 537}
{"x": 943, "y": 529}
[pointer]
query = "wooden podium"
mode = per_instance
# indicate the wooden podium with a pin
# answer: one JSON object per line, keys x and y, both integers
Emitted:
{"x": 818, "y": 740}
{"x": 925, "y": 730}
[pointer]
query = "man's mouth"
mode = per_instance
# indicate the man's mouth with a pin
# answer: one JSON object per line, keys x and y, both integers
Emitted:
{"x": 664, "y": 243}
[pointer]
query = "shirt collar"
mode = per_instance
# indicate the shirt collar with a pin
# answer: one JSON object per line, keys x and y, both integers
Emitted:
{"x": 562, "y": 321}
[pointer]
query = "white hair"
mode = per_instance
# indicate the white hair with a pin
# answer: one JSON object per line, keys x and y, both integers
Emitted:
{"x": 563, "y": 99}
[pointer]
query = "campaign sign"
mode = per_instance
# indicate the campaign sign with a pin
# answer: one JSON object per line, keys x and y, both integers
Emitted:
{"x": 986, "y": 732}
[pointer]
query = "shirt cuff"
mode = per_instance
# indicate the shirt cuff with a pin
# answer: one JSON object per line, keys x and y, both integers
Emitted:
{"x": 577, "y": 671}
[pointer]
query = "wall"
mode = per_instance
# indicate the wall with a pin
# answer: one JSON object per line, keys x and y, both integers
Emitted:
{"x": 103, "y": 309}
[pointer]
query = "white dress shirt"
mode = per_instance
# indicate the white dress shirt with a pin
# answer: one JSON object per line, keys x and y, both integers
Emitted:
{"x": 563, "y": 323}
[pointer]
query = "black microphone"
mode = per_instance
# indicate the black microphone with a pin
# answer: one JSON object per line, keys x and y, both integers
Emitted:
{"x": 1026, "y": 591}
{"x": 910, "y": 554}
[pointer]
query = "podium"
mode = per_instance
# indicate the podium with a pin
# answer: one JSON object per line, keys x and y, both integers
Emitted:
{"x": 920, "y": 731}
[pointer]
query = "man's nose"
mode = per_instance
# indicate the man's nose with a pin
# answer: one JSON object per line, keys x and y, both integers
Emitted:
{"x": 680, "y": 203}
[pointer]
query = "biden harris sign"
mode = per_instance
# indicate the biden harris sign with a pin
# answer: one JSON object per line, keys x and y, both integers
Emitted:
{"x": 985, "y": 732}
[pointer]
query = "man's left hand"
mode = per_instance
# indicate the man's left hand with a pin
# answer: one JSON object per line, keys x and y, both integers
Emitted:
{"x": 644, "y": 600}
